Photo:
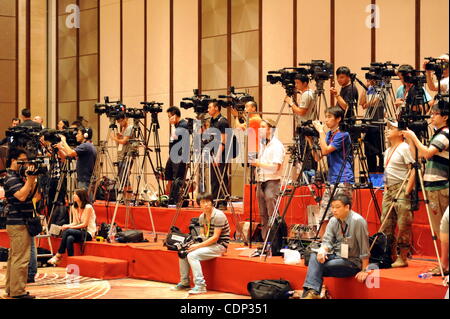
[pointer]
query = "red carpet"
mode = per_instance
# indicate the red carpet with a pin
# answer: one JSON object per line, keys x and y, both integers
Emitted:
{"x": 231, "y": 273}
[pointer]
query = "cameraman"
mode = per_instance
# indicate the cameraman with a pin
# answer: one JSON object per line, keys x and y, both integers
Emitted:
{"x": 215, "y": 232}
{"x": 221, "y": 124}
{"x": 254, "y": 121}
{"x": 433, "y": 85}
{"x": 305, "y": 111}
{"x": 27, "y": 121}
{"x": 86, "y": 155}
{"x": 337, "y": 147}
{"x": 19, "y": 192}
{"x": 347, "y": 99}
{"x": 436, "y": 169}
{"x": 122, "y": 139}
{"x": 175, "y": 166}
{"x": 407, "y": 91}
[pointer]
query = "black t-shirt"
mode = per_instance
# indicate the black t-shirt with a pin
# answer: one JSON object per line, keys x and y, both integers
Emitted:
{"x": 220, "y": 123}
{"x": 350, "y": 95}
{"x": 87, "y": 155}
{"x": 181, "y": 131}
{"x": 16, "y": 210}
{"x": 30, "y": 123}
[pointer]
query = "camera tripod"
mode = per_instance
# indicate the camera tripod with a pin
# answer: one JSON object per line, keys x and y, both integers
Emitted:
{"x": 130, "y": 158}
{"x": 296, "y": 159}
{"x": 101, "y": 170}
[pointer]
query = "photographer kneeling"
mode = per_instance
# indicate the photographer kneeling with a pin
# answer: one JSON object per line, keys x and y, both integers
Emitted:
{"x": 215, "y": 232}
{"x": 19, "y": 193}
{"x": 344, "y": 251}
{"x": 82, "y": 228}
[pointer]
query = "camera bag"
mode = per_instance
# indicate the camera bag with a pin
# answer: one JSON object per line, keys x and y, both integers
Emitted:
{"x": 176, "y": 237}
{"x": 130, "y": 236}
{"x": 269, "y": 289}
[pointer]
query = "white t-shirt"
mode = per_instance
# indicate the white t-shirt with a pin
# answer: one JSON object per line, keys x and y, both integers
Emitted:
{"x": 272, "y": 153}
{"x": 444, "y": 85}
{"x": 397, "y": 168}
{"x": 306, "y": 102}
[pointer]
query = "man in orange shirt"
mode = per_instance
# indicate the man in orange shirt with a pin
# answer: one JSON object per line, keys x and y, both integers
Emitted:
{"x": 254, "y": 122}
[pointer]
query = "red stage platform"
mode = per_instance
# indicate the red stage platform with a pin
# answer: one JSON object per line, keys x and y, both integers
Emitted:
{"x": 231, "y": 273}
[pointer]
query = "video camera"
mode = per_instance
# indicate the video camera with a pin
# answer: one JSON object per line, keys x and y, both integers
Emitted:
{"x": 26, "y": 137}
{"x": 199, "y": 102}
{"x": 111, "y": 108}
{"x": 415, "y": 77}
{"x": 320, "y": 70}
{"x": 287, "y": 77}
{"x": 236, "y": 100}
{"x": 133, "y": 113}
{"x": 437, "y": 65}
{"x": 152, "y": 107}
{"x": 40, "y": 168}
{"x": 307, "y": 129}
{"x": 183, "y": 247}
{"x": 54, "y": 136}
{"x": 378, "y": 71}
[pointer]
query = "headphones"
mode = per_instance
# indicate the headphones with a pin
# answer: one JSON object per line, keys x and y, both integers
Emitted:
{"x": 87, "y": 133}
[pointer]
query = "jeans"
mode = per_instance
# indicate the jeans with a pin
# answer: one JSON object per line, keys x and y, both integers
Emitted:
{"x": 32, "y": 266}
{"x": 70, "y": 236}
{"x": 193, "y": 260}
{"x": 334, "y": 266}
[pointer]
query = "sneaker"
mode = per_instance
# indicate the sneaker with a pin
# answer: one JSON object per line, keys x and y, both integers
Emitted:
{"x": 179, "y": 287}
{"x": 26, "y": 296}
{"x": 197, "y": 290}
{"x": 310, "y": 294}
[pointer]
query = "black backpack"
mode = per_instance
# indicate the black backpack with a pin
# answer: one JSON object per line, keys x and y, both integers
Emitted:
{"x": 130, "y": 236}
{"x": 104, "y": 230}
{"x": 269, "y": 289}
{"x": 381, "y": 253}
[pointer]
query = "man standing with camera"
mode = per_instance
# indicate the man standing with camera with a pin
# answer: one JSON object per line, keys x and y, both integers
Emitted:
{"x": 337, "y": 147}
{"x": 407, "y": 92}
{"x": 85, "y": 154}
{"x": 433, "y": 85}
{"x": 175, "y": 170}
{"x": 269, "y": 164}
{"x": 19, "y": 191}
{"x": 348, "y": 98}
{"x": 436, "y": 169}
{"x": 215, "y": 235}
{"x": 220, "y": 124}
{"x": 254, "y": 122}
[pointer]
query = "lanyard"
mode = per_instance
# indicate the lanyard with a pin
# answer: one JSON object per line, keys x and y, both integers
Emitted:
{"x": 332, "y": 137}
{"x": 389, "y": 157}
{"x": 344, "y": 231}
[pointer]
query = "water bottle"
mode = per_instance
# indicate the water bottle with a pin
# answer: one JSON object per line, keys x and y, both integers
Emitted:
{"x": 269, "y": 250}
{"x": 425, "y": 275}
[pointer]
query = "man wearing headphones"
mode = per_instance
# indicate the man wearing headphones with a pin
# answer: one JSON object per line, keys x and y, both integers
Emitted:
{"x": 85, "y": 153}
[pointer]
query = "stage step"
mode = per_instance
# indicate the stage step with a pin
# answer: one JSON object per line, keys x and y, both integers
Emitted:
{"x": 97, "y": 267}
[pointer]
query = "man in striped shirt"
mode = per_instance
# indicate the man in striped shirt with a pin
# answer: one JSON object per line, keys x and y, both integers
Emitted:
{"x": 215, "y": 232}
{"x": 436, "y": 169}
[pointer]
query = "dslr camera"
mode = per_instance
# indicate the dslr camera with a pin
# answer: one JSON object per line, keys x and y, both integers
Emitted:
{"x": 199, "y": 102}
{"x": 236, "y": 100}
{"x": 183, "y": 247}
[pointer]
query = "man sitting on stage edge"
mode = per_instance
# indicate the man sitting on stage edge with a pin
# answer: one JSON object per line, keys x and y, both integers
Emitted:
{"x": 215, "y": 232}
{"x": 336, "y": 146}
{"x": 344, "y": 251}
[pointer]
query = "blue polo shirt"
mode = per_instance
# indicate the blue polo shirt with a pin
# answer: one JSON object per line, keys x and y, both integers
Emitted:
{"x": 342, "y": 142}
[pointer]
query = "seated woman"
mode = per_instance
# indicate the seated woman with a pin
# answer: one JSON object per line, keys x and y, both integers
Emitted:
{"x": 82, "y": 228}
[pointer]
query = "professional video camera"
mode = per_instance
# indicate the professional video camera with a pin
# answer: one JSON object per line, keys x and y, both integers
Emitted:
{"x": 378, "y": 71}
{"x": 236, "y": 100}
{"x": 110, "y": 108}
{"x": 307, "y": 129}
{"x": 199, "y": 102}
{"x": 135, "y": 113}
{"x": 415, "y": 121}
{"x": 40, "y": 168}
{"x": 286, "y": 77}
{"x": 54, "y": 136}
{"x": 26, "y": 137}
{"x": 320, "y": 70}
{"x": 437, "y": 65}
{"x": 416, "y": 78}
{"x": 183, "y": 247}
{"x": 152, "y": 107}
